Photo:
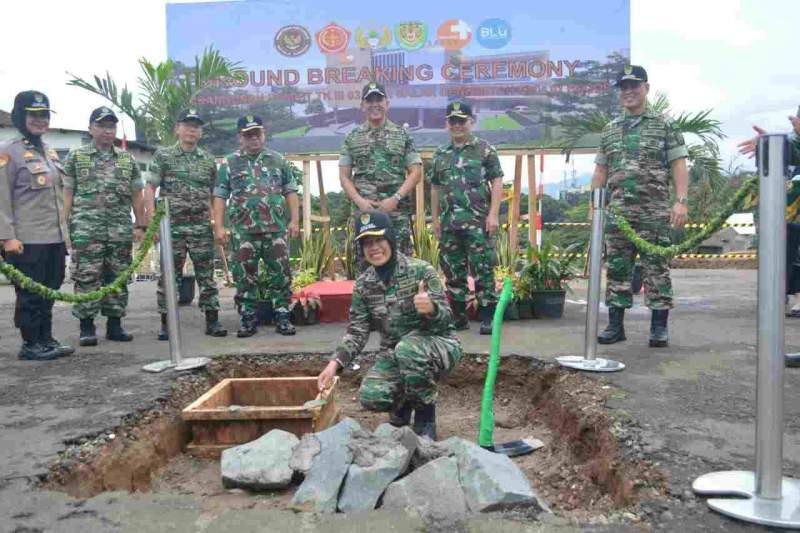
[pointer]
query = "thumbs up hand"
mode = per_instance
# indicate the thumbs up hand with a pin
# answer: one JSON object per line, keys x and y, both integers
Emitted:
{"x": 422, "y": 301}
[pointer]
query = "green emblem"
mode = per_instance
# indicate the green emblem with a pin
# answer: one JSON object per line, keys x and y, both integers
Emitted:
{"x": 38, "y": 97}
{"x": 411, "y": 35}
{"x": 250, "y": 118}
{"x": 457, "y": 106}
{"x": 628, "y": 70}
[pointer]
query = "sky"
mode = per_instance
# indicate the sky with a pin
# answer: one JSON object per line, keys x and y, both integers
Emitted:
{"x": 735, "y": 56}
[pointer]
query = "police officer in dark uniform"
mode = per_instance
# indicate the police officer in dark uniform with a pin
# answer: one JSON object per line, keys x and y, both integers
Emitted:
{"x": 32, "y": 224}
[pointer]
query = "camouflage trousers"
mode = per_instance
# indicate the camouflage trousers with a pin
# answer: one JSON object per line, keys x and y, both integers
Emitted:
{"x": 402, "y": 231}
{"x": 464, "y": 250}
{"x": 410, "y": 372}
{"x": 620, "y": 256}
{"x": 96, "y": 264}
{"x": 197, "y": 242}
{"x": 247, "y": 250}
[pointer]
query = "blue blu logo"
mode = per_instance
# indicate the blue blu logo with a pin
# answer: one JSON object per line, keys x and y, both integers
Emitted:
{"x": 494, "y": 33}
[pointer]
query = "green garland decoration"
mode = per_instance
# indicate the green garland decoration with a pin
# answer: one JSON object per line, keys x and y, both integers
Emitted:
{"x": 24, "y": 282}
{"x": 711, "y": 227}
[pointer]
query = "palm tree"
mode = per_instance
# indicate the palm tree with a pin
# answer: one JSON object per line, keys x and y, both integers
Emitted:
{"x": 165, "y": 89}
{"x": 706, "y": 179}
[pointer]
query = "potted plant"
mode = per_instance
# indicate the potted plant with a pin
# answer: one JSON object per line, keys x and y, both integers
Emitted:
{"x": 546, "y": 276}
{"x": 264, "y": 306}
{"x": 187, "y": 283}
{"x": 305, "y": 305}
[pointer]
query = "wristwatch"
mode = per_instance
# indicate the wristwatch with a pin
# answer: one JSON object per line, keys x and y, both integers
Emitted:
{"x": 683, "y": 200}
{"x": 397, "y": 196}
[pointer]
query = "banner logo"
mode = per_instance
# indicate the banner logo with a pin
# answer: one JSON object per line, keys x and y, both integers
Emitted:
{"x": 494, "y": 33}
{"x": 333, "y": 39}
{"x": 454, "y": 34}
{"x": 411, "y": 35}
{"x": 373, "y": 39}
{"x": 292, "y": 40}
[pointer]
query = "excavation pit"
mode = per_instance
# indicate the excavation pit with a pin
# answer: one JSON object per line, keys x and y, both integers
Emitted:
{"x": 239, "y": 410}
{"x": 590, "y": 467}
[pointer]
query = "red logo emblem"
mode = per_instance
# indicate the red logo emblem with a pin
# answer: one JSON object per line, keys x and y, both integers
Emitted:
{"x": 454, "y": 34}
{"x": 333, "y": 39}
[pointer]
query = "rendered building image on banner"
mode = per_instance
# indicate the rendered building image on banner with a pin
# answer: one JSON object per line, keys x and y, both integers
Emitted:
{"x": 521, "y": 65}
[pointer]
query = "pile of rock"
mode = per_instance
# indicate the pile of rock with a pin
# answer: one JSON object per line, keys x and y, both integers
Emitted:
{"x": 348, "y": 469}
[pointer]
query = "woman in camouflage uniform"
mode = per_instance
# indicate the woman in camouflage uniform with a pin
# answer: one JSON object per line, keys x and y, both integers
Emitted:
{"x": 402, "y": 298}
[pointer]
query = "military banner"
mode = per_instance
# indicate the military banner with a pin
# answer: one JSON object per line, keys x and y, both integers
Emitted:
{"x": 521, "y": 65}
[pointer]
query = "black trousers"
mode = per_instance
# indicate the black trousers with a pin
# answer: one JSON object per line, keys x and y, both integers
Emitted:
{"x": 33, "y": 314}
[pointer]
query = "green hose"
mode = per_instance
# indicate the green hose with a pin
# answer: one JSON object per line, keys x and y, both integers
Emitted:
{"x": 486, "y": 430}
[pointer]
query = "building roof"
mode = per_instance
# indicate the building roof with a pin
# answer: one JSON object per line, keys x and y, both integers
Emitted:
{"x": 5, "y": 119}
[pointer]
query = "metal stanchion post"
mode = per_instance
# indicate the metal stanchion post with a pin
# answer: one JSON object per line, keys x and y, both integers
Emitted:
{"x": 171, "y": 295}
{"x": 589, "y": 361}
{"x": 764, "y": 496}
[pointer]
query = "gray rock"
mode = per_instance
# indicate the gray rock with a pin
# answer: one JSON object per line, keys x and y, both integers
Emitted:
{"x": 304, "y": 453}
{"x": 262, "y": 464}
{"x": 320, "y": 489}
{"x": 433, "y": 491}
{"x": 428, "y": 450}
{"x": 376, "y": 463}
{"x": 491, "y": 481}
{"x": 404, "y": 435}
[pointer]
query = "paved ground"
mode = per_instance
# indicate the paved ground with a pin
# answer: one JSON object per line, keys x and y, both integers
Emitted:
{"x": 695, "y": 402}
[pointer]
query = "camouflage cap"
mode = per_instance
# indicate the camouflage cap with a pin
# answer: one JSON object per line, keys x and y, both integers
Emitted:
{"x": 103, "y": 113}
{"x": 249, "y": 122}
{"x": 374, "y": 224}
{"x": 458, "y": 109}
{"x": 373, "y": 88}
{"x": 632, "y": 73}
{"x": 190, "y": 115}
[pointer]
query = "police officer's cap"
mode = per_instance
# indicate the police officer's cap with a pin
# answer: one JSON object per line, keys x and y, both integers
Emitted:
{"x": 32, "y": 101}
{"x": 373, "y": 88}
{"x": 374, "y": 224}
{"x": 249, "y": 122}
{"x": 458, "y": 109}
{"x": 632, "y": 73}
{"x": 190, "y": 115}
{"x": 103, "y": 113}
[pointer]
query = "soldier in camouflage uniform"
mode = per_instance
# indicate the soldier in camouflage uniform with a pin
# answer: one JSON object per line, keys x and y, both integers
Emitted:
{"x": 100, "y": 186}
{"x": 638, "y": 152}
{"x": 379, "y": 167}
{"x": 260, "y": 184}
{"x": 467, "y": 181}
{"x": 186, "y": 175}
{"x": 403, "y": 299}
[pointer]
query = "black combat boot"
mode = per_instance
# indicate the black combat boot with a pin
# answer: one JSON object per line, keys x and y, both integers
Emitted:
{"x": 792, "y": 360}
{"x": 425, "y": 421}
{"x": 282, "y": 323}
{"x": 115, "y": 331}
{"x": 163, "y": 333}
{"x": 401, "y": 416}
{"x": 88, "y": 335}
{"x": 659, "y": 334}
{"x": 247, "y": 325}
{"x": 31, "y": 349}
{"x": 460, "y": 320}
{"x": 213, "y": 327}
{"x": 615, "y": 331}
{"x": 46, "y": 339}
{"x": 486, "y": 315}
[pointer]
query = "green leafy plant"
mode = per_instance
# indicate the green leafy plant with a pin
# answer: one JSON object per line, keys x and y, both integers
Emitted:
{"x": 426, "y": 246}
{"x": 165, "y": 89}
{"x": 315, "y": 254}
{"x": 303, "y": 279}
{"x": 549, "y": 268}
{"x": 349, "y": 256}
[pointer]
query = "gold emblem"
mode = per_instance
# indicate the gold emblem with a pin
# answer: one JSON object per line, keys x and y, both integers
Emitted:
{"x": 373, "y": 86}
{"x": 628, "y": 70}
{"x": 41, "y": 180}
{"x": 192, "y": 112}
{"x": 250, "y": 118}
{"x": 457, "y": 106}
{"x": 365, "y": 218}
{"x": 28, "y": 155}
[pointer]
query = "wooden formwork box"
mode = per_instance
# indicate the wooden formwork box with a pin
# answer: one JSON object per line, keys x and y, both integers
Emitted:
{"x": 237, "y": 411}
